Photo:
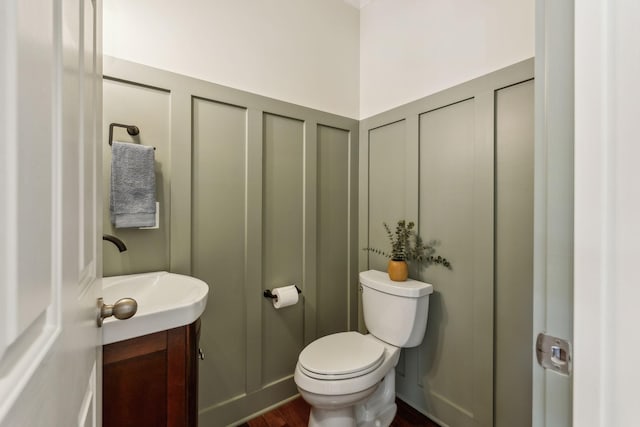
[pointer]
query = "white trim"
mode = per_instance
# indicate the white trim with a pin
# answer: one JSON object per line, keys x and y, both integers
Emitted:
{"x": 8, "y": 180}
{"x": 590, "y": 225}
{"x": 607, "y": 208}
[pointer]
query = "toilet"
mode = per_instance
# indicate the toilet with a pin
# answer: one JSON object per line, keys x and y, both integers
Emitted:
{"x": 349, "y": 378}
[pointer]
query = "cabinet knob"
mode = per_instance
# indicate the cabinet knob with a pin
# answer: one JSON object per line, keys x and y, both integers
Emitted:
{"x": 200, "y": 354}
{"x": 123, "y": 309}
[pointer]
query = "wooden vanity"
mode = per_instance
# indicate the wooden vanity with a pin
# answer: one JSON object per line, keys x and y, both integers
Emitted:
{"x": 152, "y": 380}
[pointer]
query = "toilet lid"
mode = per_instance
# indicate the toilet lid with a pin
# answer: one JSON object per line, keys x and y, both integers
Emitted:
{"x": 341, "y": 356}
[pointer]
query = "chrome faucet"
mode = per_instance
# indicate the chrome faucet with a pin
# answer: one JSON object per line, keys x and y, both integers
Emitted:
{"x": 113, "y": 239}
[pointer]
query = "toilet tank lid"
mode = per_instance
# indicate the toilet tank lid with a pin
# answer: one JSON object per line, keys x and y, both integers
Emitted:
{"x": 380, "y": 281}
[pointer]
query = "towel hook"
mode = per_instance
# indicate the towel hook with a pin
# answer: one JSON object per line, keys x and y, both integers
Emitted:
{"x": 131, "y": 130}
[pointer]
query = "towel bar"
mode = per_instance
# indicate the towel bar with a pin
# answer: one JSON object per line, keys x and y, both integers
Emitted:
{"x": 131, "y": 130}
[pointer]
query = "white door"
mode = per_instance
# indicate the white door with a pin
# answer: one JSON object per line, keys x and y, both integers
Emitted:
{"x": 50, "y": 249}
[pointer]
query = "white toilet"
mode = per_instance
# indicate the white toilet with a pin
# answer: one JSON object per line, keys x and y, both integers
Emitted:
{"x": 349, "y": 378}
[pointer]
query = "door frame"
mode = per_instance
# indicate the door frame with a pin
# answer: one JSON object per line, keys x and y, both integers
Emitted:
{"x": 553, "y": 203}
{"x": 607, "y": 206}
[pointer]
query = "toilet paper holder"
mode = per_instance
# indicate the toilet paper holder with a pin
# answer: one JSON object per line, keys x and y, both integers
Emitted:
{"x": 267, "y": 293}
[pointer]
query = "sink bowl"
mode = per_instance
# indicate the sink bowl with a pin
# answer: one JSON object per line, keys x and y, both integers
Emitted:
{"x": 165, "y": 301}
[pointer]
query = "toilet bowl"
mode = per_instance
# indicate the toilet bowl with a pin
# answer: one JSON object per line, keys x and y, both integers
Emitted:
{"x": 348, "y": 378}
{"x": 337, "y": 373}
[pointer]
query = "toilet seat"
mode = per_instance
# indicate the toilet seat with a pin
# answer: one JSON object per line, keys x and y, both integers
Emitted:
{"x": 341, "y": 356}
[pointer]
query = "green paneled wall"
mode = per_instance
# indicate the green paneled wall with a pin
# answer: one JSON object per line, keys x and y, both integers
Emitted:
{"x": 514, "y": 253}
{"x": 255, "y": 194}
{"x": 433, "y": 161}
{"x": 218, "y": 248}
{"x": 282, "y": 241}
{"x": 149, "y": 108}
{"x": 332, "y": 225}
{"x": 387, "y": 190}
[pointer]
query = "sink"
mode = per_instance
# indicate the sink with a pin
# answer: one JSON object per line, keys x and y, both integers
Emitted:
{"x": 165, "y": 301}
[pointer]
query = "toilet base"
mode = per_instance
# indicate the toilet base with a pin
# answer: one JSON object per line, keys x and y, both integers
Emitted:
{"x": 344, "y": 417}
{"x": 383, "y": 419}
{"x": 370, "y": 408}
{"x": 380, "y": 408}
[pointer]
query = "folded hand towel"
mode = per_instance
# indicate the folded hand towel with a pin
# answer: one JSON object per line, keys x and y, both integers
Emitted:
{"x": 133, "y": 186}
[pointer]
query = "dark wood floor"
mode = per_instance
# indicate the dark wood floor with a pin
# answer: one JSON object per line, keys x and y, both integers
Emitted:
{"x": 296, "y": 414}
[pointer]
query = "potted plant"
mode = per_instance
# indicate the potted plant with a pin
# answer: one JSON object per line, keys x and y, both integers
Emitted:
{"x": 407, "y": 245}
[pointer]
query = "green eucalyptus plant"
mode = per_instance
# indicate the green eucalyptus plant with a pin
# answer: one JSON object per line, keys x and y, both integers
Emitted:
{"x": 407, "y": 245}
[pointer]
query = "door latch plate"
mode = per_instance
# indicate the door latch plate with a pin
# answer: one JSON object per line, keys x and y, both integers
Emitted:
{"x": 554, "y": 353}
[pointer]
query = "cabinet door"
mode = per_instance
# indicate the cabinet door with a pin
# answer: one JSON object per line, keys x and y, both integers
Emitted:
{"x": 152, "y": 380}
{"x": 135, "y": 382}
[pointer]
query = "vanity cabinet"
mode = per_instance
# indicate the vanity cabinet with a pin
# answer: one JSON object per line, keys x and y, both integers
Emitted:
{"x": 152, "y": 380}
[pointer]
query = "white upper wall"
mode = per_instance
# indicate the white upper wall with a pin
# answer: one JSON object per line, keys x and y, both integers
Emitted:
{"x": 304, "y": 52}
{"x": 413, "y": 48}
{"x": 324, "y": 54}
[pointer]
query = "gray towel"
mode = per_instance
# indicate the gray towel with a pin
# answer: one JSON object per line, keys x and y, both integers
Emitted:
{"x": 133, "y": 186}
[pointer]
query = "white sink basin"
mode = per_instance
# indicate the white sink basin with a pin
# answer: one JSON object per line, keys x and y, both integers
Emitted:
{"x": 165, "y": 301}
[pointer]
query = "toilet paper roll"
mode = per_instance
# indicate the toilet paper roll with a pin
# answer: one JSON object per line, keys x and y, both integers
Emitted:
{"x": 285, "y": 296}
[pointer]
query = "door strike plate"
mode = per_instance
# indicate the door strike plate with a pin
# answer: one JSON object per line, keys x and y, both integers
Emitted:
{"x": 554, "y": 353}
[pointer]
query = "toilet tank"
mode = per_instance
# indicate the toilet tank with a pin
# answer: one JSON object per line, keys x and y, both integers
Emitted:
{"x": 395, "y": 312}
